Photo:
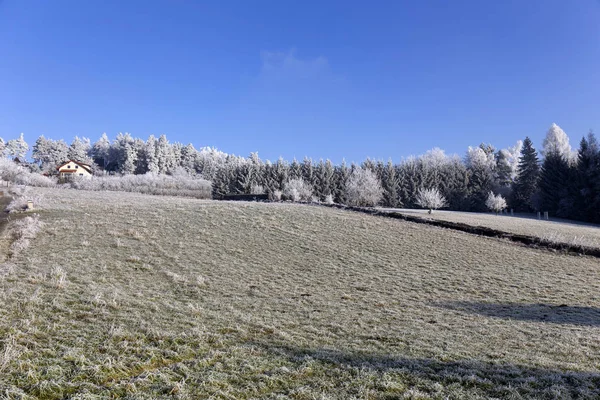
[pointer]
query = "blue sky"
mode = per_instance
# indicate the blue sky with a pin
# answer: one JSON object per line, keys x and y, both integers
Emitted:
{"x": 325, "y": 79}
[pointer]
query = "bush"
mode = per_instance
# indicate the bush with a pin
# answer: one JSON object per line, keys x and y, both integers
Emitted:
{"x": 17, "y": 174}
{"x": 495, "y": 203}
{"x": 363, "y": 188}
{"x": 297, "y": 190}
{"x": 329, "y": 199}
{"x": 168, "y": 185}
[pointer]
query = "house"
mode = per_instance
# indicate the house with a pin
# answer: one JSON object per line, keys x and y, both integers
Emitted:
{"x": 74, "y": 169}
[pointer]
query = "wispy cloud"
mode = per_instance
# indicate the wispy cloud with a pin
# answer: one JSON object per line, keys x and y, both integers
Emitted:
{"x": 288, "y": 64}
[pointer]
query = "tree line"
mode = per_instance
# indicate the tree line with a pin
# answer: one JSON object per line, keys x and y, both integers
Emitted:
{"x": 564, "y": 182}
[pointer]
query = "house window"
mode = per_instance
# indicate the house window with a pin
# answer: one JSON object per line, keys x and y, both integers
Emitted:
{"x": 80, "y": 174}
{"x": 77, "y": 166}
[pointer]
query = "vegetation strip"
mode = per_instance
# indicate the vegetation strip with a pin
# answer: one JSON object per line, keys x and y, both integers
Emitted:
{"x": 527, "y": 240}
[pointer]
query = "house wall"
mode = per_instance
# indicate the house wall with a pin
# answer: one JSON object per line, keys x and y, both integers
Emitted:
{"x": 80, "y": 170}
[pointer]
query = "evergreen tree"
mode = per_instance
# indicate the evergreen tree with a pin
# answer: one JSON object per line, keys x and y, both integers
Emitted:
{"x": 527, "y": 178}
{"x": 308, "y": 174}
{"x": 587, "y": 202}
{"x": 553, "y": 184}
{"x": 17, "y": 148}
{"x": 101, "y": 151}
{"x": 391, "y": 186}
{"x": 341, "y": 175}
{"x": 295, "y": 170}
{"x": 80, "y": 150}
{"x": 2, "y": 147}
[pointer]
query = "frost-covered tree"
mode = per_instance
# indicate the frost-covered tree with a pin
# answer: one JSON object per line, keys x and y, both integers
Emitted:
{"x": 557, "y": 142}
{"x": 495, "y": 203}
{"x": 507, "y": 163}
{"x": 49, "y": 154}
{"x": 528, "y": 172}
{"x": 125, "y": 153}
{"x": 188, "y": 157}
{"x": 165, "y": 157}
{"x": 431, "y": 199}
{"x": 101, "y": 151}
{"x": 363, "y": 188}
{"x": 341, "y": 174}
{"x": 80, "y": 149}
{"x": 481, "y": 163}
{"x": 390, "y": 186}
{"x": 298, "y": 190}
{"x": 2, "y": 147}
{"x": 324, "y": 175}
{"x": 17, "y": 148}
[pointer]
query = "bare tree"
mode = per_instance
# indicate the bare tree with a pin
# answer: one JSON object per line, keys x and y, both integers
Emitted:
{"x": 431, "y": 199}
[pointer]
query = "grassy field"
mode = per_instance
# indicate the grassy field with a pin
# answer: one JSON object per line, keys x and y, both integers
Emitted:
{"x": 556, "y": 230}
{"x": 126, "y": 295}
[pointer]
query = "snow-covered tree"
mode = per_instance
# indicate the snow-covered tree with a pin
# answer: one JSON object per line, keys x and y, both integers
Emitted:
{"x": 557, "y": 142}
{"x": 2, "y": 147}
{"x": 363, "y": 188}
{"x": 507, "y": 163}
{"x": 431, "y": 199}
{"x": 101, "y": 150}
{"x": 164, "y": 155}
{"x": 298, "y": 190}
{"x": 17, "y": 148}
{"x": 150, "y": 155}
{"x": 80, "y": 149}
{"x": 495, "y": 203}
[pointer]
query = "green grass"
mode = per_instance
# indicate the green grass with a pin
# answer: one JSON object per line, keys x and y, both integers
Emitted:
{"x": 126, "y": 295}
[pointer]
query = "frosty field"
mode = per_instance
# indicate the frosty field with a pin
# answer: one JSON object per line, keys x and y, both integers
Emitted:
{"x": 555, "y": 230}
{"x": 129, "y": 295}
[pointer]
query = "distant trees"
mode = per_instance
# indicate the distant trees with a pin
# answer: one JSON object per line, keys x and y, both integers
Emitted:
{"x": 565, "y": 183}
{"x": 431, "y": 199}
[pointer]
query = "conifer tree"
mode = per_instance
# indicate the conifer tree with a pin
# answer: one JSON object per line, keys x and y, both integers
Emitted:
{"x": 391, "y": 186}
{"x": 527, "y": 178}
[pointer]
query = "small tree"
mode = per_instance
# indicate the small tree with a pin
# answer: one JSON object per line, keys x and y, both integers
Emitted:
{"x": 431, "y": 199}
{"x": 495, "y": 203}
{"x": 363, "y": 188}
{"x": 298, "y": 190}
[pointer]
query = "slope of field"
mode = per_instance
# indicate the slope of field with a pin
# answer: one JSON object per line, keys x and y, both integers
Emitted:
{"x": 126, "y": 295}
{"x": 561, "y": 231}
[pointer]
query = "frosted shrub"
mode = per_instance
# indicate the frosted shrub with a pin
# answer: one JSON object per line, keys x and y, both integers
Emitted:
{"x": 315, "y": 199}
{"x": 431, "y": 199}
{"x": 495, "y": 203}
{"x": 11, "y": 172}
{"x": 257, "y": 189}
{"x": 298, "y": 190}
{"x": 176, "y": 185}
{"x": 329, "y": 199}
{"x": 277, "y": 195}
{"x": 23, "y": 231}
{"x": 363, "y": 188}
{"x": 21, "y": 195}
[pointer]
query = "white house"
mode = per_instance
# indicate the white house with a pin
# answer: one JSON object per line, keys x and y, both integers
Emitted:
{"x": 72, "y": 169}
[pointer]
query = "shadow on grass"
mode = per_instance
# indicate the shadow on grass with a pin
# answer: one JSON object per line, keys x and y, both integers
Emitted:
{"x": 555, "y": 314}
{"x": 476, "y": 378}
